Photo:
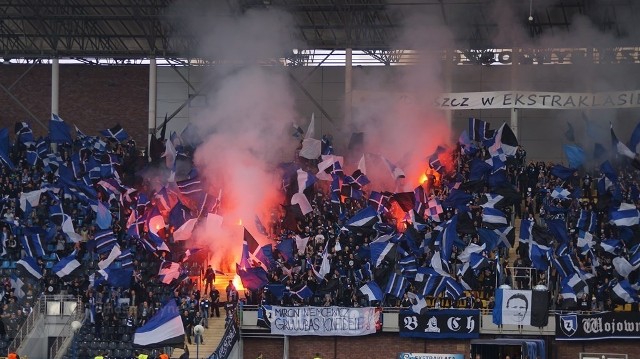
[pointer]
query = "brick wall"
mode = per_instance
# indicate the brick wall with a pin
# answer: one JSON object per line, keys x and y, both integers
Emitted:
{"x": 383, "y": 345}
{"x": 572, "y": 350}
{"x": 92, "y": 97}
{"x": 388, "y": 345}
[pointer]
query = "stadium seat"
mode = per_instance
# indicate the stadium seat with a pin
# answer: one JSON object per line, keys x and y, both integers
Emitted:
{"x": 627, "y": 307}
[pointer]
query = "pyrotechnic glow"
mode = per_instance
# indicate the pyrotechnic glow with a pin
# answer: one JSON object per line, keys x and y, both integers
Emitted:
{"x": 239, "y": 222}
{"x": 398, "y": 215}
{"x": 423, "y": 178}
{"x": 237, "y": 282}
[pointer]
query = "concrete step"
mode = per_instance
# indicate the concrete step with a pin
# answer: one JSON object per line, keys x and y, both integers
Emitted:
{"x": 214, "y": 333}
{"x": 221, "y": 283}
{"x": 211, "y": 339}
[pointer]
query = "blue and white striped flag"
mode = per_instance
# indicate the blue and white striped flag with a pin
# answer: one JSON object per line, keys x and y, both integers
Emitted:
{"x": 66, "y": 265}
{"x": 372, "y": 290}
{"x": 626, "y": 215}
{"x": 396, "y": 285}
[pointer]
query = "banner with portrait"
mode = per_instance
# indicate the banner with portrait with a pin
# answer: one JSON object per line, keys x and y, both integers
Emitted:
{"x": 324, "y": 321}
{"x": 521, "y": 307}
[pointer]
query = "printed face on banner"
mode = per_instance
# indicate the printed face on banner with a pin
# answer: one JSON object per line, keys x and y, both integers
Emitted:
{"x": 515, "y": 307}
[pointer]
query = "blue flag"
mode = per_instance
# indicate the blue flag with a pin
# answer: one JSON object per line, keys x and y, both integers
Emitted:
{"x": 265, "y": 255}
{"x": 253, "y": 278}
{"x": 163, "y": 329}
{"x": 117, "y": 277}
{"x": 30, "y": 266}
{"x": 366, "y": 217}
{"x": 103, "y": 216}
{"x": 372, "y": 291}
{"x": 4, "y": 148}
{"x": 575, "y": 155}
{"x": 66, "y": 265}
{"x": 562, "y": 172}
{"x": 23, "y": 132}
{"x": 634, "y": 141}
{"x": 116, "y": 132}
{"x": 396, "y": 285}
{"x": 59, "y": 130}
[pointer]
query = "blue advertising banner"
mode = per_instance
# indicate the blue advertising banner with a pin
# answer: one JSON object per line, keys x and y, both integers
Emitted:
{"x": 429, "y": 356}
{"x": 440, "y": 324}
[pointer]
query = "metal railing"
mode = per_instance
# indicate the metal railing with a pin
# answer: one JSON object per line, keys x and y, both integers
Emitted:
{"x": 28, "y": 325}
{"x": 61, "y": 343}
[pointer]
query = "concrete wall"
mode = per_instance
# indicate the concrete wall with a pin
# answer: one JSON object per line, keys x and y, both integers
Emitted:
{"x": 389, "y": 345}
{"x": 384, "y": 345}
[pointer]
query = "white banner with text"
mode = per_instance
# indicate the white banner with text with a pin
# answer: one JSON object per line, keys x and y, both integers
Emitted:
{"x": 323, "y": 321}
{"x": 510, "y": 99}
{"x": 538, "y": 100}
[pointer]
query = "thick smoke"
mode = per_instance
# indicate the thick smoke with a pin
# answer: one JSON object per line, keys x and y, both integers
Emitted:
{"x": 594, "y": 25}
{"x": 245, "y": 126}
{"x": 398, "y": 119}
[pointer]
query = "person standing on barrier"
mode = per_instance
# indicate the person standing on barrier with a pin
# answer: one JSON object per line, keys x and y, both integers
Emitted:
{"x": 209, "y": 279}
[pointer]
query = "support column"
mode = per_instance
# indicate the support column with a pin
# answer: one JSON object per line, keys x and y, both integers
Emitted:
{"x": 513, "y": 123}
{"x": 153, "y": 81}
{"x": 55, "y": 85}
{"x": 285, "y": 354}
{"x": 348, "y": 58}
{"x": 448, "y": 74}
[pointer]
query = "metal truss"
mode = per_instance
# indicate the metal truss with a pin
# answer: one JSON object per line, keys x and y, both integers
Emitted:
{"x": 133, "y": 29}
{"x": 86, "y": 28}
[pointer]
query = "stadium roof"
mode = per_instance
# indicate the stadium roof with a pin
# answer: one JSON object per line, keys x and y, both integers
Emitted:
{"x": 133, "y": 29}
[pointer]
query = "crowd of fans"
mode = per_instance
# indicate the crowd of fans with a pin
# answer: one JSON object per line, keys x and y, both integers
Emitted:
{"x": 113, "y": 313}
{"x": 531, "y": 182}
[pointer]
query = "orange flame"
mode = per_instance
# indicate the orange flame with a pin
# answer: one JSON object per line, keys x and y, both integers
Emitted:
{"x": 240, "y": 221}
{"x": 423, "y": 178}
{"x": 238, "y": 283}
{"x": 398, "y": 215}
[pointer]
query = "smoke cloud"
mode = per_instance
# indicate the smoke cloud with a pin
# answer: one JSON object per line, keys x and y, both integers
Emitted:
{"x": 397, "y": 122}
{"x": 246, "y": 126}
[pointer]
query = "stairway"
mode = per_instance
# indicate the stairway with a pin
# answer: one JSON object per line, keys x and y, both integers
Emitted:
{"x": 214, "y": 333}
